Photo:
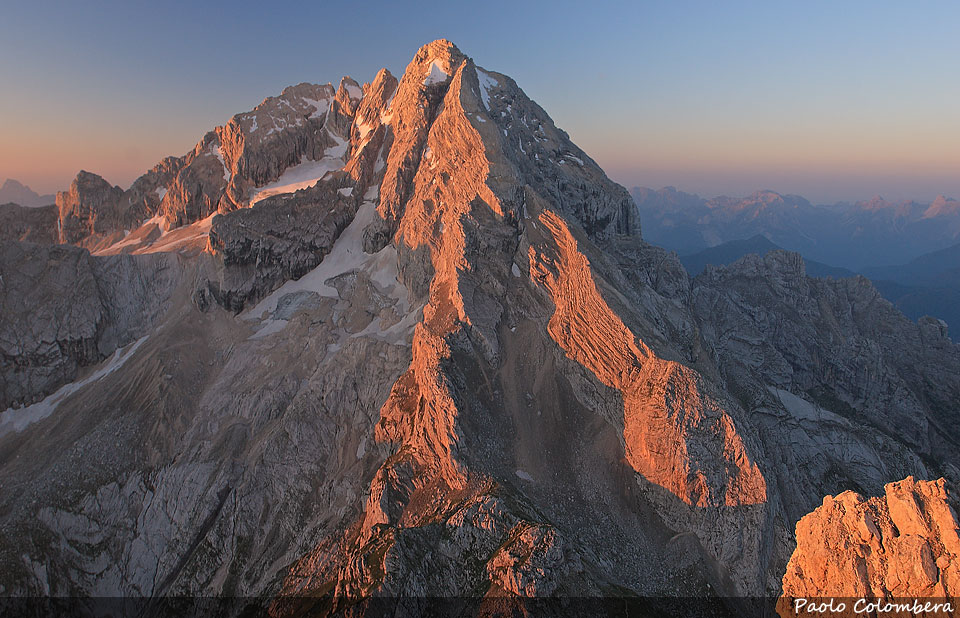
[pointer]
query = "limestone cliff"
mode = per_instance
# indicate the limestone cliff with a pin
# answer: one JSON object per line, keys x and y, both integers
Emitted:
{"x": 90, "y": 206}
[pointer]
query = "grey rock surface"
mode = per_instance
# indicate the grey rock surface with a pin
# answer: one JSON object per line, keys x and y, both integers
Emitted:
{"x": 64, "y": 310}
{"x": 37, "y": 225}
{"x": 283, "y": 237}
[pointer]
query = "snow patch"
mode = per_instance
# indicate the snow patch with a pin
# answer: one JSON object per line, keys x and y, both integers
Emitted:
{"x": 339, "y": 150}
{"x": 364, "y": 129}
{"x": 12, "y": 420}
{"x": 523, "y": 475}
{"x": 516, "y": 270}
{"x": 436, "y": 74}
{"x": 161, "y": 192}
{"x": 354, "y": 91}
{"x": 219, "y": 154}
{"x": 159, "y": 221}
{"x": 186, "y": 237}
{"x": 347, "y": 191}
{"x": 486, "y": 83}
{"x": 430, "y": 159}
{"x": 320, "y": 106}
{"x": 301, "y": 176}
{"x": 802, "y": 409}
{"x": 346, "y": 255}
{"x": 272, "y": 326}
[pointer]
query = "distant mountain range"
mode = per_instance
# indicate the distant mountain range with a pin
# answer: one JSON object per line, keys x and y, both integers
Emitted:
{"x": 856, "y": 235}
{"x": 730, "y": 252}
{"x": 938, "y": 268}
{"x": 927, "y": 285}
{"x": 18, "y": 193}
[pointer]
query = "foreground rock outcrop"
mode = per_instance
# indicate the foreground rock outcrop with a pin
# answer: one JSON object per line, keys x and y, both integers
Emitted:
{"x": 898, "y": 546}
{"x": 415, "y": 346}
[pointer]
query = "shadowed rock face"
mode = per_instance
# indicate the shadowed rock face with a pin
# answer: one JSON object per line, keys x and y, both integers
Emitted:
{"x": 64, "y": 310}
{"x": 37, "y": 224}
{"x": 900, "y": 545}
{"x": 451, "y": 367}
{"x": 283, "y": 238}
{"x": 839, "y": 347}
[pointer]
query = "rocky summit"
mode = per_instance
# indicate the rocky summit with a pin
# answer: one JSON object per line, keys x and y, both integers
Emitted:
{"x": 405, "y": 340}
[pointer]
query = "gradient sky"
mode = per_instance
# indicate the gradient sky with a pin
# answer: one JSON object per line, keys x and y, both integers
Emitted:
{"x": 831, "y": 100}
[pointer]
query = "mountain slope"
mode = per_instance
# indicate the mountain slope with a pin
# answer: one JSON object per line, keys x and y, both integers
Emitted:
{"x": 935, "y": 269}
{"x": 286, "y": 143}
{"x": 729, "y": 252}
{"x": 451, "y": 367}
{"x": 928, "y": 285}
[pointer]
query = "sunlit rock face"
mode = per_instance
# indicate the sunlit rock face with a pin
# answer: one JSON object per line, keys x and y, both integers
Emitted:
{"x": 408, "y": 340}
{"x": 90, "y": 206}
{"x": 304, "y": 133}
{"x": 902, "y": 545}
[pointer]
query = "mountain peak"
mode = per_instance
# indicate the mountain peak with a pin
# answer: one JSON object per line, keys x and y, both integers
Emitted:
{"x": 439, "y": 49}
{"x": 941, "y": 206}
{"x": 350, "y": 87}
{"x": 437, "y": 61}
{"x": 19, "y": 193}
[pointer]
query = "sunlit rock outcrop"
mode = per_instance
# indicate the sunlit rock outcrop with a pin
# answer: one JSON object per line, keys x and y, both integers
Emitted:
{"x": 898, "y": 546}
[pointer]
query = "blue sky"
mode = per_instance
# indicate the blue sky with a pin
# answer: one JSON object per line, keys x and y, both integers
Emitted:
{"x": 838, "y": 100}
